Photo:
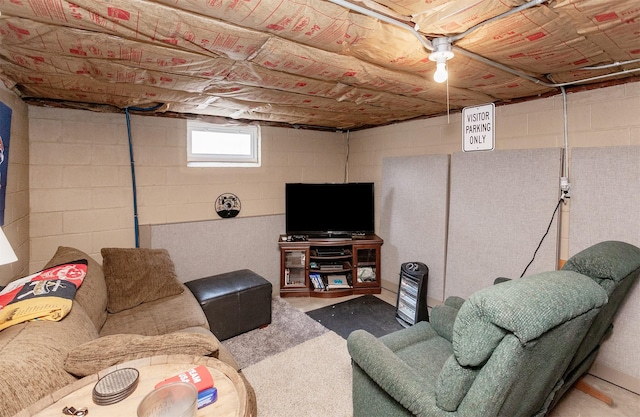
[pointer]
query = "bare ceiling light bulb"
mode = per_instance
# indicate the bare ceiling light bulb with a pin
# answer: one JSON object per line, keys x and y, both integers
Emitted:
{"x": 441, "y": 54}
{"x": 440, "y": 75}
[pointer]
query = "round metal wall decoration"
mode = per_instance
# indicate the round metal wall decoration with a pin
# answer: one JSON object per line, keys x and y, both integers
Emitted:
{"x": 227, "y": 205}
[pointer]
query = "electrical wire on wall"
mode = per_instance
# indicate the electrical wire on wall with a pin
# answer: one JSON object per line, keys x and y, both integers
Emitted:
{"x": 545, "y": 235}
{"x": 346, "y": 161}
{"x": 133, "y": 168}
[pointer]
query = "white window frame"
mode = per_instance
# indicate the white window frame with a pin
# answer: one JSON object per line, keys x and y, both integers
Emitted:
{"x": 224, "y": 160}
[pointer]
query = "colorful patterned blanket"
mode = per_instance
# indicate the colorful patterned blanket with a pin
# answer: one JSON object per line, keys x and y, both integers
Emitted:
{"x": 45, "y": 295}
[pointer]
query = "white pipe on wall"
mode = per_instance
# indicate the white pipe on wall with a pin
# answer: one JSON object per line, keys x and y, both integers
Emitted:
{"x": 565, "y": 172}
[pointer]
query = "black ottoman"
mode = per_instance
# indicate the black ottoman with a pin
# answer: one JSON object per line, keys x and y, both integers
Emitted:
{"x": 234, "y": 302}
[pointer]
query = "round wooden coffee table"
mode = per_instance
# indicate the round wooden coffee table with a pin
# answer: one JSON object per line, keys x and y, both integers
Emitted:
{"x": 234, "y": 398}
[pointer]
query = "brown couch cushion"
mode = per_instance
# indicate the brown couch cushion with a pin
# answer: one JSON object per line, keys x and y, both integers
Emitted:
{"x": 92, "y": 294}
{"x": 138, "y": 275}
{"x": 157, "y": 317}
{"x": 32, "y": 359}
{"x": 224, "y": 354}
{"x": 106, "y": 351}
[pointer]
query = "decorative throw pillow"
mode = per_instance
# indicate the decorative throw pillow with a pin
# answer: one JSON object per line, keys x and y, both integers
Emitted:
{"x": 137, "y": 275}
{"x": 103, "y": 352}
{"x": 92, "y": 296}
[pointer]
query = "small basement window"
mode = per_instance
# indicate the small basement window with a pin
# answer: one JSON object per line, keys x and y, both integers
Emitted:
{"x": 210, "y": 145}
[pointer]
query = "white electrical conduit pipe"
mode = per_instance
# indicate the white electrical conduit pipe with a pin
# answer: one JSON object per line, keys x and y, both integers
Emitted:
{"x": 425, "y": 42}
{"x": 565, "y": 170}
{"x": 613, "y": 64}
{"x": 371, "y": 4}
{"x": 520, "y": 74}
{"x": 518, "y": 9}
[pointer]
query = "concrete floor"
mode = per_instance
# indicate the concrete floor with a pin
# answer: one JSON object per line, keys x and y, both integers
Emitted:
{"x": 574, "y": 404}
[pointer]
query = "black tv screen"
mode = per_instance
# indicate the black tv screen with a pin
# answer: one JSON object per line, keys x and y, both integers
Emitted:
{"x": 329, "y": 209}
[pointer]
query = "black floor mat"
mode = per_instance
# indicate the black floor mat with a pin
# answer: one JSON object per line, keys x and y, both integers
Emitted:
{"x": 367, "y": 312}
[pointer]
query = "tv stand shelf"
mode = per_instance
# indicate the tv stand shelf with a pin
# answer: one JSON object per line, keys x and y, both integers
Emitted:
{"x": 331, "y": 267}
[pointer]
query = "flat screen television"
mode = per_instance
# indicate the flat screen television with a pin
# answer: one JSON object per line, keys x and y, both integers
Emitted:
{"x": 329, "y": 209}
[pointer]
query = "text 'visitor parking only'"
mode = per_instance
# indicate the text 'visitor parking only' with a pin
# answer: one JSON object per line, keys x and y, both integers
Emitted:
{"x": 478, "y": 128}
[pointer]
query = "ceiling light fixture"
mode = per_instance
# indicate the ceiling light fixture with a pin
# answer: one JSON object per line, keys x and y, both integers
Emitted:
{"x": 440, "y": 55}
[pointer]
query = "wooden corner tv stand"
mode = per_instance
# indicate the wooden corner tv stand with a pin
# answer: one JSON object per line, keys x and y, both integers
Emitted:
{"x": 329, "y": 267}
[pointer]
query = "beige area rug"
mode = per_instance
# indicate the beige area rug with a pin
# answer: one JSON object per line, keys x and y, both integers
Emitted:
{"x": 312, "y": 379}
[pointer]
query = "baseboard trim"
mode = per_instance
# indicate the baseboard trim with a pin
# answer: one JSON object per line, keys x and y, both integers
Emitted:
{"x": 615, "y": 377}
{"x": 389, "y": 286}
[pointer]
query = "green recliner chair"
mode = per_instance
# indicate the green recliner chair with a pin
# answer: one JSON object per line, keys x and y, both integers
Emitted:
{"x": 615, "y": 266}
{"x": 511, "y": 350}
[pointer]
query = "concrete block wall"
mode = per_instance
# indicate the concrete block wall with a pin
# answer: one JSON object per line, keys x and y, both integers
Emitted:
{"x": 81, "y": 192}
{"x": 602, "y": 117}
{"x": 80, "y": 176}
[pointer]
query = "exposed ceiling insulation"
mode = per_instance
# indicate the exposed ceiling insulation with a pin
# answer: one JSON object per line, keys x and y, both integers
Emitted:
{"x": 310, "y": 63}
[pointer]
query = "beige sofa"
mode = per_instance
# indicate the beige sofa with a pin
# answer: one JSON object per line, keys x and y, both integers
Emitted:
{"x": 40, "y": 357}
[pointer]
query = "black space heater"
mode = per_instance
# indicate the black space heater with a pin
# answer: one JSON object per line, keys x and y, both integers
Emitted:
{"x": 411, "y": 306}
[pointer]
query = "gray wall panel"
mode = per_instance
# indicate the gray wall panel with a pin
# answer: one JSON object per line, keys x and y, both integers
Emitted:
{"x": 413, "y": 218}
{"x": 203, "y": 248}
{"x": 501, "y": 203}
{"x": 605, "y": 205}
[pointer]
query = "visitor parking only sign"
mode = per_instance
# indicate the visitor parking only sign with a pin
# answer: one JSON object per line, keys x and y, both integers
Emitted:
{"x": 478, "y": 128}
